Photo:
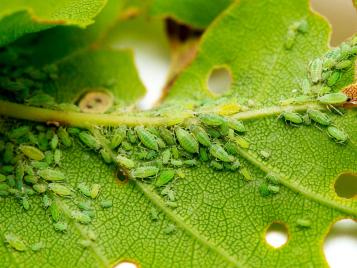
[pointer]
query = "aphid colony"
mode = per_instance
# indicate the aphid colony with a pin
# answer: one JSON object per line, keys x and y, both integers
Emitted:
{"x": 29, "y": 160}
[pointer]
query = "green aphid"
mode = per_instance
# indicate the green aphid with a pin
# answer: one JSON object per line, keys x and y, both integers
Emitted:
{"x": 328, "y": 63}
{"x": 19, "y": 132}
{"x": 232, "y": 166}
{"x": 175, "y": 152}
{"x": 46, "y": 201}
{"x": 305, "y": 86}
{"x": 41, "y": 100}
{"x": 81, "y": 217}
{"x": 290, "y": 39}
{"x": 171, "y": 204}
{"x": 91, "y": 235}
{"x": 19, "y": 171}
{"x": 154, "y": 214}
{"x": 4, "y": 193}
{"x": 180, "y": 174}
{"x": 90, "y": 213}
{"x": 164, "y": 177}
{"x": 218, "y": 152}
{"x": 40, "y": 187}
{"x": 11, "y": 180}
{"x": 303, "y": 223}
{"x": 125, "y": 162}
{"x": 151, "y": 154}
{"x": 8, "y": 155}
{"x": 154, "y": 131}
{"x": 333, "y": 98}
{"x": 25, "y": 203}
{"x": 161, "y": 143}
{"x": 15, "y": 242}
{"x": 319, "y": 117}
{"x": 169, "y": 193}
{"x": 27, "y": 190}
{"x": 325, "y": 90}
{"x": 73, "y": 130}
{"x": 39, "y": 164}
{"x": 42, "y": 142}
{"x": 89, "y": 140}
{"x": 2, "y": 177}
{"x": 203, "y": 154}
{"x": 213, "y": 133}
{"x": 144, "y": 172}
{"x": 57, "y": 155}
{"x": 94, "y": 191}
{"x": 84, "y": 189}
{"x": 60, "y": 226}
{"x": 106, "y": 204}
{"x": 170, "y": 229}
{"x": 212, "y": 119}
{"x": 186, "y": 140}
{"x": 4, "y": 186}
{"x": 32, "y": 152}
{"x": 201, "y": 136}
{"x": 60, "y": 189}
{"x": 274, "y": 189}
{"x": 264, "y": 154}
{"x": 68, "y": 107}
{"x": 246, "y": 173}
{"x": 30, "y": 179}
{"x": 337, "y": 135}
{"x": 263, "y": 190}
{"x": 316, "y": 70}
{"x": 106, "y": 156}
{"x": 272, "y": 178}
{"x": 54, "y": 142}
{"x": 55, "y": 212}
{"x": 37, "y": 246}
{"x": 64, "y": 137}
{"x": 147, "y": 138}
{"x": 85, "y": 205}
{"x": 166, "y": 155}
{"x": 224, "y": 129}
{"x": 334, "y": 78}
{"x": 176, "y": 163}
{"x": 49, "y": 157}
{"x": 216, "y": 165}
{"x": 190, "y": 162}
{"x": 343, "y": 64}
{"x": 167, "y": 136}
{"x": 231, "y": 148}
{"x": 291, "y": 117}
{"x": 302, "y": 26}
{"x": 236, "y": 125}
{"x": 126, "y": 146}
{"x": 242, "y": 142}
{"x": 118, "y": 137}
{"x": 85, "y": 243}
{"x": 51, "y": 175}
{"x": 131, "y": 136}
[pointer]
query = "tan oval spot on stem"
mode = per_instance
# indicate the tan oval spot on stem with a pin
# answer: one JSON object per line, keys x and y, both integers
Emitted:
{"x": 96, "y": 101}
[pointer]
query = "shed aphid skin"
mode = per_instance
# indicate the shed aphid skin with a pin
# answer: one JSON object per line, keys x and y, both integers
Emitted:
{"x": 265, "y": 154}
{"x": 291, "y": 117}
{"x": 186, "y": 140}
{"x": 170, "y": 229}
{"x": 319, "y": 117}
{"x": 218, "y": 152}
{"x": 303, "y": 223}
{"x": 333, "y": 98}
{"x": 125, "y": 162}
{"x": 60, "y": 189}
{"x": 15, "y": 242}
{"x": 32, "y": 152}
{"x": 37, "y": 246}
{"x": 81, "y": 217}
{"x": 106, "y": 204}
{"x": 144, "y": 172}
{"x": 51, "y": 175}
{"x": 316, "y": 70}
{"x": 60, "y": 226}
{"x": 146, "y": 138}
{"x": 201, "y": 135}
{"x": 339, "y": 136}
{"x": 88, "y": 140}
{"x": 212, "y": 119}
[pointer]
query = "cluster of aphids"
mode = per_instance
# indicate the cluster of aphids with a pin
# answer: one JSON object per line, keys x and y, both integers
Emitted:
{"x": 29, "y": 160}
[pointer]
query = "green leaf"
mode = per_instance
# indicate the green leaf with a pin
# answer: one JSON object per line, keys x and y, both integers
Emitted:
{"x": 18, "y": 17}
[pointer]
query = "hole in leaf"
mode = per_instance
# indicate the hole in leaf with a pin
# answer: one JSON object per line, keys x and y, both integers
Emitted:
{"x": 342, "y": 16}
{"x": 121, "y": 175}
{"x": 126, "y": 264}
{"x": 96, "y": 101}
{"x": 219, "y": 80}
{"x": 276, "y": 235}
{"x": 340, "y": 246}
{"x": 346, "y": 185}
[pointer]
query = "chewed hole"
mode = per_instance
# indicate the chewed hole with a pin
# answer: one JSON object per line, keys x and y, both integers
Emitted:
{"x": 126, "y": 264}
{"x": 340, "y": 246}
{"x": 96, "y": 101}
{"x": 346, "y": 185}
{"x": 219, "y": 80}
{"x": 276, "y": 235}
{"x": 341, "y": 14}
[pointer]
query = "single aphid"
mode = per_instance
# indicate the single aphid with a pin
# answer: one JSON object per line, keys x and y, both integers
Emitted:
{"x": 85, "y": 205}
{"x": 213, "y": 133}
{"x": 272, "y": 178}
{"x": 333, "y": 98}
{"x": 89, "y": 140}
{"x": 126, "y": 146}
{"x": 46, "y": 201}
{"x": 2, "y": 177}
{"x": 190, "y": 162}
{"x": 39, "y": 164}
{"x": 83, "y": 188}
{"x": 154, "y": 214}
{"x": 19, "y": 132}
{"x": 60, "y": 189}
{"x": 319, "y": 117}
{"x": 216, "y": 165}
{"x": 144, "y": 172}
{"x": 125, "y": 162}
{"x": 203, "y": 154}
{"x": 106, "y": 204}
{"x": 85, "y": 243}
{"x": 51, "y": 175}
{"x": 231, "y": 148}
{"x": 297, "y": 100}
{"x": 90, "y": 213}
{"x": 60, "y": 226}
{"x": 186, "y": 140}
{"x": 151, "y": 154}
{"x": 148, "y": 139}
{"x": 54, "y": 142}
{"x": 25, "y": 203}
{"x": 167, "y": 136}
{"x": 55, "y": 212}
{"x": 305, "y": 86}
{"x": 236, "y": 125}
{"x": 4, "y": 186}
{"x": 49, "y": 157}
{"x": 212, "y": 119}
{"x": 81, "y": 217}
{"x": 175, "y": 152}
{"x": 302, "y": 26}
{"x": 328, "y": 63}
{"x": 246, "y": 174}
{"x": 180, "y": 174}
{"x": 74, "y": 130}
{"x": 334, "y": 78}
{"x": 291, "y": 117}
{"x": 224, "y": 129}
{"x": 176, "y": 163}
{"x": 263, "y": 190}
{"x": 337, "y": 135}
{"x": 94, "y": 191}
{"x": 11, "y": 180}
{"x": 131, "y": 136}
{"x": 170, "y": 229}
{"x": 169, "y": 193}
{"x": 40, "y": 187}
{"x": 154, "y": 131}
{"x": 228, "y": 109}
{"x": 164, "y": 177}
{"x": 232, "y": 166}
{"x": 106, "y": 156}
{"x": 171, "y": 204}
{"x": 316, "y": 70}
{"x": 290, "y": 39}
{"x": 15, "y": 242}
{"x": 68, "y": 107}
{"x": 37, "y": 246}
{"x": 161, "y": 143}
{"x": 57, "y": 155}
{"x": 241, "y": 142}
{"x": 64, "y": 137}
{"x": 303, "y": 223}
{"x": 201, "y": 135}
{"x": 325, "y": 90}
{"x": 218, "y": 152}
{"x": 32, "y": 152}
{"x": 166, "y": 155}
{"x": 91, "y": 235}
{"x": 264, "y": 154}
{"x": 118, "y": 136}
{"x": 274, "y": 189}
{"x": 343, "y": 64}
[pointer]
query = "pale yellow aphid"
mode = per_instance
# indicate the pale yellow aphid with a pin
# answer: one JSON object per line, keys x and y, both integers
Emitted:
{"x": 228, "y": 109}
